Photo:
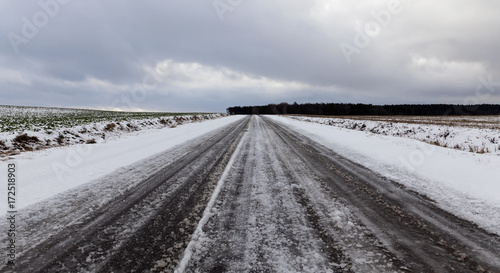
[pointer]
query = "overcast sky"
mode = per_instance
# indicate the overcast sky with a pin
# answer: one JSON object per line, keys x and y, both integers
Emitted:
{"x": 208, "y": 55}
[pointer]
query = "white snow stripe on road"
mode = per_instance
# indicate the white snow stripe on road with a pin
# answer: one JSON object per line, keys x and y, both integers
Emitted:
{"x": 198, "y": 234}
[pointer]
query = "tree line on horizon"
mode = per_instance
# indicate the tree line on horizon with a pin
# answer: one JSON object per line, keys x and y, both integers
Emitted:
{"x": 350, "y": 109}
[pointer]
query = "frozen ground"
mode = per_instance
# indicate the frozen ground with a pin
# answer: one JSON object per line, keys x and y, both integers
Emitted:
{"x": 45, "y": 173}
{"x": 254, "y": 194}
{"x": 37, "y": 128}
{"x": 476, "y": 134}
{"x": 463, "y": 183}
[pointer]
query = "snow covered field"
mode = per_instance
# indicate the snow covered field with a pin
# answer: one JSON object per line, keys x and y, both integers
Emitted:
{"x": 463, "y": 183}
{"x": 35, "y": 128}
{"x": 479, "y": 134}
{"x": 45, "y": 173}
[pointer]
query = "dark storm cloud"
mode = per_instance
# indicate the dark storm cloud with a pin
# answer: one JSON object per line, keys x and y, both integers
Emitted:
{"x": 175, "y": 55}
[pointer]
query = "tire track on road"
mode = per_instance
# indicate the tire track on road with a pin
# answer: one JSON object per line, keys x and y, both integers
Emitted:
{"x": 424, "y": 237}
{"x": 292, "y": 205}
{"x": 268, "y": 221}
{"x": 177, "y": 193}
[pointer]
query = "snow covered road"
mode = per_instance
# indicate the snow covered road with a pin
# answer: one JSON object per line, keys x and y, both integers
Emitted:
{"x": 278, "y": 202}
{"x": 292, "y": 205}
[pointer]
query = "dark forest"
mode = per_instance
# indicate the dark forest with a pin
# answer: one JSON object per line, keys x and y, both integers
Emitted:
{"x": 348, "y": 109}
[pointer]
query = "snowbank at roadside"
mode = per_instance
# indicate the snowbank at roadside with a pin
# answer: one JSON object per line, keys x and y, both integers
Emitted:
{"x": 471, "y": 139}
{"x": 465, "y": 184}
{"x": 39, "y": 137}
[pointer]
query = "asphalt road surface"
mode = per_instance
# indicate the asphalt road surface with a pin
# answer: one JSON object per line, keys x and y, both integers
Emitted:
{"x": 254, "y": 196}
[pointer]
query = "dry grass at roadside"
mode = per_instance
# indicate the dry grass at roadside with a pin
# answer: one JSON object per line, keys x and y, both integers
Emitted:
{"x": 480, "y": 122}
{"x": 37, "y": 128}
{"x": 475, "y": 134}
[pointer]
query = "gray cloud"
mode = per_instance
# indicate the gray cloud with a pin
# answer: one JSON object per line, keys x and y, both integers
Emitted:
{"x": 114, "y": 54}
